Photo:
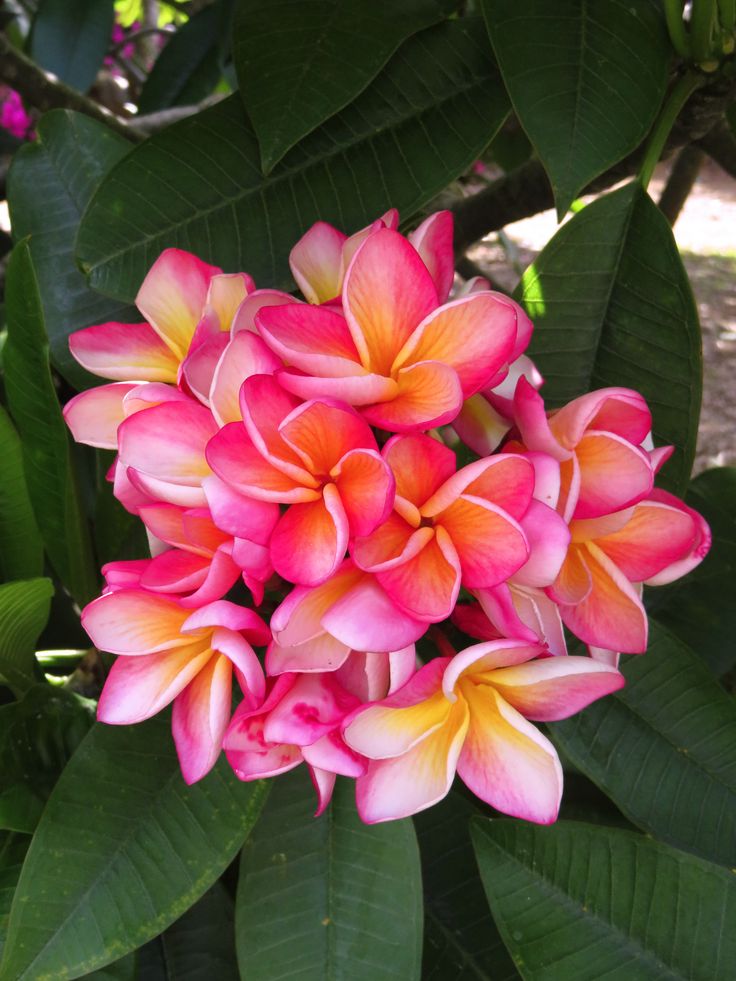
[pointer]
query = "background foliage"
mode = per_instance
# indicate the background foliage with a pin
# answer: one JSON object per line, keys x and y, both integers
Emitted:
{"x": 254, "y": 120}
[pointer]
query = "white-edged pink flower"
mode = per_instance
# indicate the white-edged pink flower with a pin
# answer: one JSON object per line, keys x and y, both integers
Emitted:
{"x": 470, "y": 714}
{"x": 170, "y": 653}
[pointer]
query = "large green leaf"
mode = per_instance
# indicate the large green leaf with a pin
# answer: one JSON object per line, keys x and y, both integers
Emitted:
{"x": 461, "y": 942}
{"x": 612, "y": 305}
{"x": 188, "y": 68}
{"x": 700, "y": 607}
{"x": 664, "y": 748}
{"x": 70, "y": 38}
{"x": 298, "y": 64}
{"x": 576, "y": 901}
{"x": 329, "y": 898}
{"x": 21, "y": 548}
{"x": 586, "y": 80}
{"x": 49, "y": 468}
{"x": 24, "y": 610}
{"x": 38, "y": 736}
{"x": 198, "y": 185}
{"x": 13, "y": 848}
{"x": 49, "y": 184}
{"x": 123, "y": 849}
{"x": 200, "y": 946}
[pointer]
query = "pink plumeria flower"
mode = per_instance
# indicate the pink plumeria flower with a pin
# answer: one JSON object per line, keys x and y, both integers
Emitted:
{"x": 169, "y": 653}
{"x": 598, "y": 590}
{"x": 318, "y": 628}
{"x": 469, "y": 714}
{"x": 302, "y": 717}
{"x": 597, "y": 440}
{"x": 318, "y": 457}
{"x": 405, "y": 360}
{"x": 449, "y": 528}
{"x": 179, "y": 293}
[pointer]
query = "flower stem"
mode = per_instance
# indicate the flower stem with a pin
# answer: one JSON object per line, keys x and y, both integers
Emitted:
{"x": 676, "y": 28}
{"x": 701, "y": 29}
{"x": 681, "y": 92}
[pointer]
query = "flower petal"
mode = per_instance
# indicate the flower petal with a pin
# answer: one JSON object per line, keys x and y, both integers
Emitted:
{"x": 139, "y": 687}
{"x": 399, "y": 722}
{"x": 237, "y": 462}
{"x": 611, "y": 615}
{"x": 200, "y": 717}
{"x": 168, "y": 442}
{"x": 366, "y": 619}
{"x": 238, "y": 515}
{"x": 264, "y": 405}
{"x": 617, "y": 410}
{"x": 490, "y": 545}
{"x": 474, "y": 335}
{"x": 316, "y": 262}
{"x": 555, "y": 688}
{"x": 429, "y": 394}
{"x": 507, "y": 762}
{"x": 173, "y": 295}
{"x": 386, "y": 293}
{"x": 504, "y": 480}
{"x": 321, "y": 433}
{"x": 427, "y": 585}
{"x": 420, "y": 465}
{"x": 94, "y": 416}
{"x": 410, "y": 783}
{"x": 656, "y": 537}
{"x": 309, "y": 542}
{"x": 367, "y": 489}
{"x": 548, "y": 538}
{"x": 124, "y": 352}
{"x": 134, "y": 621}
{"x": 246, "y": 354}
{"x": 614, "y": 474}
{"x": 314, "y": 705}
{"x": 433, "y": 241}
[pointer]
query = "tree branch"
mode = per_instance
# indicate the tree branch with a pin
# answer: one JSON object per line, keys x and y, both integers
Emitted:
{"x": 43, "y": 91}
{"x": 526, "y": 191}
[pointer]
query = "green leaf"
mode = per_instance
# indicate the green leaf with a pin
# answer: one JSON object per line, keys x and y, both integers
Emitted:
{"x": 188, "y": 68}
{"x": 21, "y": 548}
{"x": 49, "y": 184}
{"x": 200, "y": 946}
{"x": 575, "y": 901}
{"x": 70, "y": 38}
{"x": 38, "y": 736}
{"x": 50, "y": 473}
{"x": 298, "y": 64}
{"x": 197, "y": 184}
{"x": 123, "y": 848}
{"x": 327, "y": 898}
{"x": 13, "y": 848}
{"x": 24, "y": 610}
{"x": 612, "y": 305}
{"x": 461, "y": 942}
{"x": 699, "y": 608}
{"x": 664, "y": 748}
{"x": 586, "y": 80}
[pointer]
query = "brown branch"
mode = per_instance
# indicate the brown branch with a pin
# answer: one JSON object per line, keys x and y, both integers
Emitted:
{"x": 526, "y": 191}
{"x": 44, "y": 91}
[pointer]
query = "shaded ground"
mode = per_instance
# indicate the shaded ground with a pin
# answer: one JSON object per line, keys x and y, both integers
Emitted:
{"x": 706, "y": 235}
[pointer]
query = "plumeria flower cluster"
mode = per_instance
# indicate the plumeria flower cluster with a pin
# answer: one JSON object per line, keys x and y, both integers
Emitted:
{"x": 327, "y": 480}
